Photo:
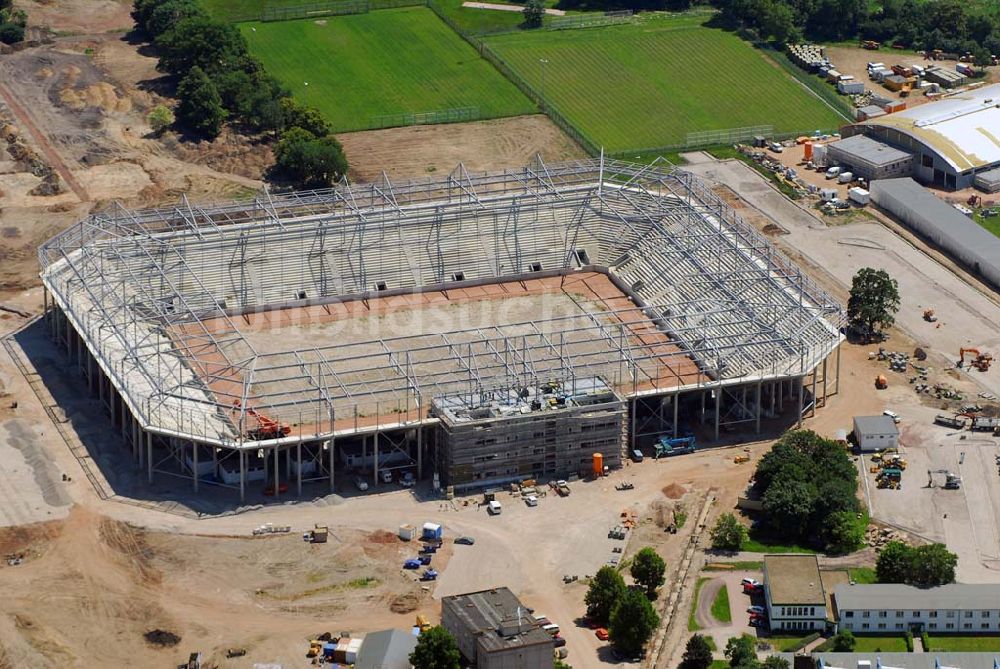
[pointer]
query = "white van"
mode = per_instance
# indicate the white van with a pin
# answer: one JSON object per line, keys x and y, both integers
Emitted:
{"x": 531, "y": 500}
{"x": 494, "y": 508}
{"x": 891, "y": 414}
{"x": 832, "y": 172}
{"x": 551, "y": 628}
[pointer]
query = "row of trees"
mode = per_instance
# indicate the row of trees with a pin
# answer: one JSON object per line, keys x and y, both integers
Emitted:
{"x": 923, "y": 566}
{"x": 12, "y": 23}
{"x": 220, "y": 82}
{"x": 807, "y": 485}
{"x": 739, "y": 652}
{"x": 627, "y": 612}
{"x": 933, "y": 24}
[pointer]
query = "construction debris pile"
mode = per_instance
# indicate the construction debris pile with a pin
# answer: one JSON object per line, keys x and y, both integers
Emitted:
{"x": 22, "y": 153}
{"x": 785, "y": 175}
{"x": 878, "y": 537}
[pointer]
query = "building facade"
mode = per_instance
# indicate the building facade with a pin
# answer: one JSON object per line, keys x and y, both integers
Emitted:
{"x": 793, "y": 590}
{"x": 875, "y": 433}
{"x": 868, "y": 159}
{"x": 956, "y": 608}
{"x": 494, "y": 630}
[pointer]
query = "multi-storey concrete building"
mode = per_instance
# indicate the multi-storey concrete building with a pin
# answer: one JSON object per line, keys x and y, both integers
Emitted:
{"x": 957, "y": 608}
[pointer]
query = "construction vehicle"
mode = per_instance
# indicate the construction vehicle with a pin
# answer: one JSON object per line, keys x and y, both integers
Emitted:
{"x": 266, "y": 428}
{"x": 982, "y": 361}
{"x": 956, "y": 422}
{"x": 870, "y": 44}
{"x": 984, "y": 424}
{"x": 974, "y": 201}
{"x": 951, "y": 482}
{"x": 740, "y": 459}
{"x": 929, "y": 316}
{"x": 668, "y": 446}
{"x": 423, "y": 623}
{"x": 890, "y": 477}
{"x": 318, "y": 535}
{"x": 881, "y": 383}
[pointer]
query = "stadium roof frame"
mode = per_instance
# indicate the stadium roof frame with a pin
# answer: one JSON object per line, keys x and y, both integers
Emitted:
{"x": 111, "y": 275}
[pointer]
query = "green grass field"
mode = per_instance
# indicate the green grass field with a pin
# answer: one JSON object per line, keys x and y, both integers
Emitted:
{"x": 720, "y": 606}
{"x": 391, "y": 61}
{"x": 647, "y": 84}
{"x": 885, "y": 644}
{"x": 970, "y": 644}
{"x": 693, "y": 625}
{"x": 226, "y": 10}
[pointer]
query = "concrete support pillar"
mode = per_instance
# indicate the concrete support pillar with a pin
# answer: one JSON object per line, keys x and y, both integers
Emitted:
{"x": 331, "y": 454}
{"x": 677, "y": 403}
{"x": 757, "y": 426}
{"x": 836, "y": 383}
{"x": 277, "y": 478}
{"x": 802, "y": 381}
{"x": 781, "y": 396}
{"x": 243, "y": 475}
{"x": 149, "y": 456}
{"x": 194, "y": 466}
{"x": 813, "y": 412}
{"x": 718, "y": 405}
{"x": 298, "y": 473}
{"x": 635, "y": 409}
{"x": 420, "y": 453}
{"x": 375, "y": 455}
{"x": 824, "y": 382}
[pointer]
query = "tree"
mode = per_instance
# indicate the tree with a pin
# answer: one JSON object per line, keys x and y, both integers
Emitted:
{"x": 633, "y": 621}
{"x": 606, "y": 588}
{"x": 200, "y": 107}
{"x": 202, "y": 42}
{"x": 728, "y": 534}
{"x": 843, "y": 532}
{"x": 436, "y": 649}
{"x": 160, "y": 118}
{"x": 11, "y": 33}
{"x": 893, "y": 563}
{"x": 788, "y": 505}
{"x": 874, "y": 300}
{"x": 844, "y": 642}
{"x": 981, "y": 57}
{"x": 740, "y": 651}
{"x": 533, "y": 13}
{"x": 775, "y": 662}
{"x": 306, "y": 161}
{"x": 165, "y": 15}
{"x": 647, "y": 570}
{"x": 932, "y": 565}
{"x": 777, "y": 21}
{"x": 300, "y": 116}
{"x": 697, "y": 653}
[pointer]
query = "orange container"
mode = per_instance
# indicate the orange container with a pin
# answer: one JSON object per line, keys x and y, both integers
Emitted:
{"x": 809, "y": 151}
{"x": 598, "y": 464}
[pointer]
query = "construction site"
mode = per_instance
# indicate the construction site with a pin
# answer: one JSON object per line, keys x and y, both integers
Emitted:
{"x": 270, "y": 343}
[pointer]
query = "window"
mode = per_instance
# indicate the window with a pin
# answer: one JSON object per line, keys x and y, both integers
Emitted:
{"x": 881, "y": 626}
{"x": 933, "y": 614}
{"x": 985, "y": 614}
{"x": 850, "y": 614}
{"x": 916, "y": 614}
{"x": 899, "y": 626}
{"x": 866, "y": 614}
{"x": 883, "y": 614}
{"x": 812, "y": 610}
{"x": 985, "y": 626}
{"x": 968, "y": 614}
{"x": 932, "y": 626}
{"x": 535, "y": 267}
{"x": 458, "y": 276}
{"x": 950, "y": 614}
{"x": 899, "y": 614}
{"x": 865, "y": 626}
{"x": 949, "y": 626}
{"x": 967, "y": 626}
{"x": 381, "y": 286}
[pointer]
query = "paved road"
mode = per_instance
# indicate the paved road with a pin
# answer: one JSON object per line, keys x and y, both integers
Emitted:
{"x": 967, "y": 316}
{"x": 703, "y": 612}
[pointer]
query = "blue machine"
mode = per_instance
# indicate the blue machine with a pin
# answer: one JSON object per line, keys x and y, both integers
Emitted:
{"x": 667, "y": 446}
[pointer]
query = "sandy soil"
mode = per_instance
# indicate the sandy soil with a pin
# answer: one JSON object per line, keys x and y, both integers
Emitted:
{"x": 79, "y": 16}
{"x": 418, "y": 151}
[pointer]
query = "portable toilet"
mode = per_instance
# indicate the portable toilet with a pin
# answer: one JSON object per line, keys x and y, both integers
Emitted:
{"x": 598, "y": 464}
{"x": 328, "y": 650}
{"x": 808, "y": 155}
{"x": 432, "y": 531}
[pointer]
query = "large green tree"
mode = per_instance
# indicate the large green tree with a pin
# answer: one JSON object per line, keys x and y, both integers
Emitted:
{"x": 200, "y": 108}
{"x": 167, "y": 14}
{"x": 202, "y": 42}
{"x": 633, "y": 621}
{"x": 843, "y": 532}
{"x": 775, "y": 662}
{"x": 844, "y": 642}
{"x": 436, "y": 649}
{"x": 728, "y": 533}
{"x": 932, "y": 565}
{"x": 305, "y": 161}
{"x": 874, "y": 301}
{"x": 740, "y": 651}
{"x": 647, "y": 570}
{"x": 606, "y": 588}
{"x": 893, "y": 563}
{"x": 533, "y": 13}
{"x": 697, "y": 653}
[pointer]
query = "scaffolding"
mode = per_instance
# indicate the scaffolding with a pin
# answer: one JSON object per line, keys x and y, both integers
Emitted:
{"x": 161, "y": 299}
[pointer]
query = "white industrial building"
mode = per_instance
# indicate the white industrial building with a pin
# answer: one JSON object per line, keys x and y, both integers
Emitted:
{"x": 952, "y": 140}
{"x": 874, "y": 433}
{"x": 957, "y": 608}
{"x": 794, "y": 593}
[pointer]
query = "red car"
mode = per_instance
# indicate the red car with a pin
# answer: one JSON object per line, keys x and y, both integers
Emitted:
{"x": 601, "y": 633}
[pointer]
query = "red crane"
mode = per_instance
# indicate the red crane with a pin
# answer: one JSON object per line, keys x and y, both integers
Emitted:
{"x": 267, "y": 427}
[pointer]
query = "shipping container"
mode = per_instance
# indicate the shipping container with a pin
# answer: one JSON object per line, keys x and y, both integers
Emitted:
{"x": 407, "y": 532}
{"x": 859, "y": 195}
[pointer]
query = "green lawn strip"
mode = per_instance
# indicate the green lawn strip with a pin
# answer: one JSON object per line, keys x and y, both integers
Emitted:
{"x": 760, "y": 543}
{"x": 632, "y": 86}
{"x": 969, "y": 644}
{"x": 720, "y": 606}
{"x": 739, "y": 565}
{"x": 719, "y": 664}
{"x": 885, "y": 644}
{"x": 785, "y": 643}
{"x": 863, "y": 575}
{"x": 693, "y": 625}
{"x": 389, "y": 62}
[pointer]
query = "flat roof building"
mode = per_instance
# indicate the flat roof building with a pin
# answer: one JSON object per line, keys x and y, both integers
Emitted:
{"x": 924, "y": 660}
{"x": 870, "y": 159}
{"x": 874, "y": 433}
{"x": 793, "y": 589}
{"x": 388, "y": 649}
{"x": 957, "y": 608}
{"x": 952, "y": 139}
{"x": 495, "y": 631}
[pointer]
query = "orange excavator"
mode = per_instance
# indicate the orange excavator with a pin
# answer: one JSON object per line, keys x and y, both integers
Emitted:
{"x": 981, "y": 361}
{"x": 267, "y": 427}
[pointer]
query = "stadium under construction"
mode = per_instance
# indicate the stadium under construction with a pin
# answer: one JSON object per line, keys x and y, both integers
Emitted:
{"x": 483, "y": 327}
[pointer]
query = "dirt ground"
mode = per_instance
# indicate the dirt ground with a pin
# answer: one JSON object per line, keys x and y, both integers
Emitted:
{"x": 420, "y": 151}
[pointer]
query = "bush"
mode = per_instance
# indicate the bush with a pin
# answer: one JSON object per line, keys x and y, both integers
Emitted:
{"x": 908, "y": 637}
{"x": 11, "y": 33}
{"x": 160, "y": 118}
{"x": 925, "y": 639}
{"x": 728, "y": 534}
{"x": 200, "y": 108}
{"x": 803, "y": 642}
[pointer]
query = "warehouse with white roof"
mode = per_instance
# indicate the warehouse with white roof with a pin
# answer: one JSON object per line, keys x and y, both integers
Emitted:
{"x": 952, "y": 140}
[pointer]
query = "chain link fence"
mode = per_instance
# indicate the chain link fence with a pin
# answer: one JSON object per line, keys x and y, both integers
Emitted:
{"x": 453, "y": 115}
{"x": 589, "y": 20}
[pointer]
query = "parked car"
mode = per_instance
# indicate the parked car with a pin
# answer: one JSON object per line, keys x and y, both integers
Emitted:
{"x": 531, "y": 500}
{"x": 411, "y": 564}
{"x": 465, "y": 541}
{"x": 636, "y": 455}
{"x": 892, "y": 414}
{"x": 759, "y": 610}
{"x": 494, "y": 508}
{"x": 386, "y": 476}
{"x": 758, "y": 622}
{"x": 752, "y": 582}
{"x": 601, "y": 633}
{"x": 361, "y": 484}
{"x": 407, "y": 480}
{"x": 560, "y": 642}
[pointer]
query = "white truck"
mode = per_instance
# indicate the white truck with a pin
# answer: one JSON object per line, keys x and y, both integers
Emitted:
{"x": 494, "y": 508}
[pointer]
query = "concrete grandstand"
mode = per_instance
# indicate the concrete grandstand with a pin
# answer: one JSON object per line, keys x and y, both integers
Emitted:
{"x": 321, "y": 326}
